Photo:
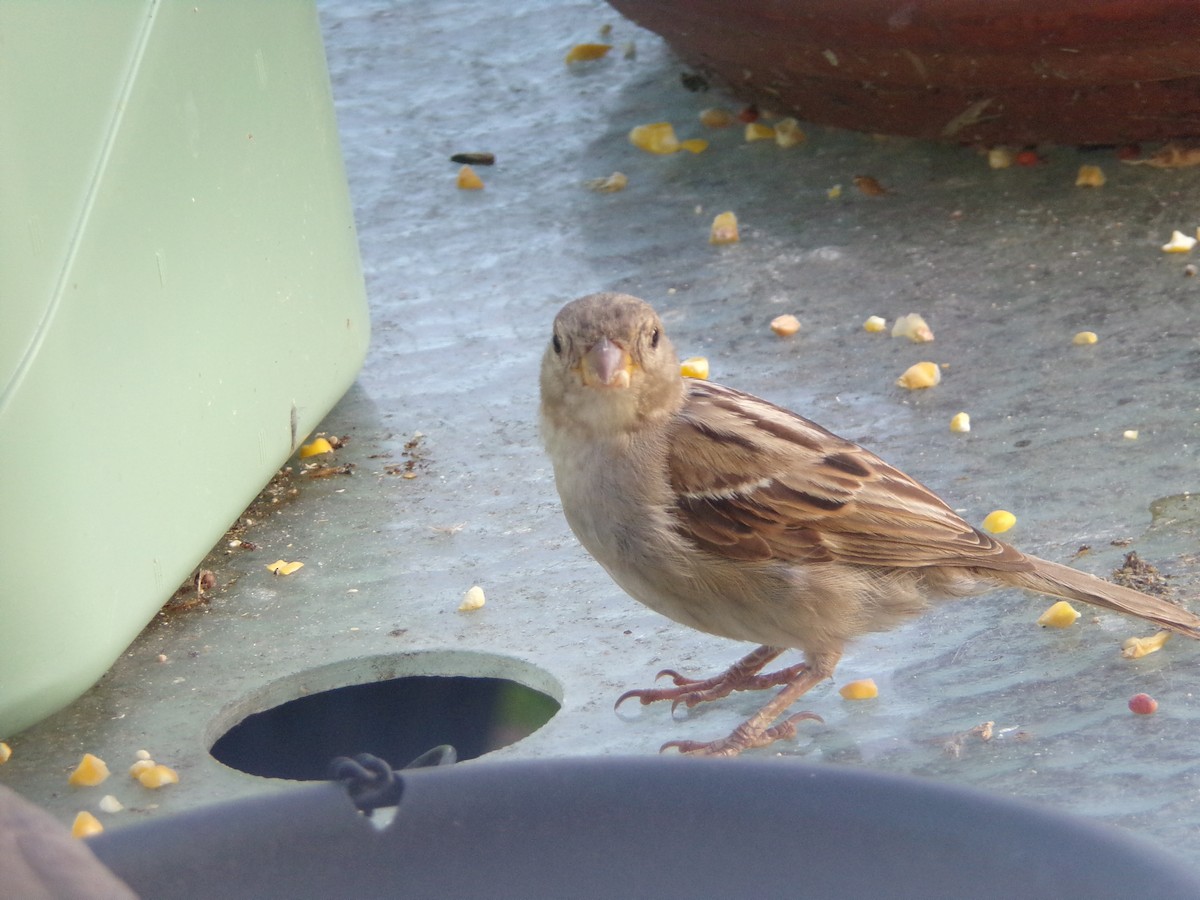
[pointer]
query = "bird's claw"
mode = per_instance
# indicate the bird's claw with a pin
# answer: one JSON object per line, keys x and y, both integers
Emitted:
{"x": 742, "y": 738}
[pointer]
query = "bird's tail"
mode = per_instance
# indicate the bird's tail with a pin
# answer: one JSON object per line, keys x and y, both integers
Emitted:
{"x": 1071, "y": 584}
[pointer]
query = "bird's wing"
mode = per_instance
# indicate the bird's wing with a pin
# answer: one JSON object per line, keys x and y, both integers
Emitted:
{"x": 753, "y": 481}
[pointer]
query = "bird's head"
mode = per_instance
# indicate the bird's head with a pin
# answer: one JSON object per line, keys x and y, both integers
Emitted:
{"x": 609, "y": 367}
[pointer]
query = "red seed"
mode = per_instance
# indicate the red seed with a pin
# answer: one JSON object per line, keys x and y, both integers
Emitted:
{"x": 1143, "y": 704}
{"x": 748, "y": 114}
{"x": 1027, "y": 158}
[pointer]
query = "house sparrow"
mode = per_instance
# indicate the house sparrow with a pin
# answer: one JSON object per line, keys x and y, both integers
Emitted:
{"x": 739, "y": 518}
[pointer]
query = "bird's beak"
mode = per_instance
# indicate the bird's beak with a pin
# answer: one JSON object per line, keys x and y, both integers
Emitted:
{"x": 606, "y": 365}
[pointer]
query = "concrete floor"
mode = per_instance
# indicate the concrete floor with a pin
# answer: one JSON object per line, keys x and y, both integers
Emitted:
{"x": 1006, "y": 266}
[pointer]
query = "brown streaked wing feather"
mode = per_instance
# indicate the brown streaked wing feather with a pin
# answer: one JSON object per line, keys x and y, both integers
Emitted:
{"x": 756, "y": 482}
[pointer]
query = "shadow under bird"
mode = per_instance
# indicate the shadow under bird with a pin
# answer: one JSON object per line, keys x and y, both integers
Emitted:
{"x": 739, "y": 518}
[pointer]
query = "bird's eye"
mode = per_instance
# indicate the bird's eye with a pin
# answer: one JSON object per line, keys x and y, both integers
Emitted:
{"x": 654, "y": 339}
{"x": 556, "y": 342}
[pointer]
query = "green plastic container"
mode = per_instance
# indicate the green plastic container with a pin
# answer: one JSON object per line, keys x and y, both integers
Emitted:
{"x": 181, "y": 301}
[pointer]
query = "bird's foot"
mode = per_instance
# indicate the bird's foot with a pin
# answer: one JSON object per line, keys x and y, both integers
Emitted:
{"x": 745, "y": 737}
{"x": 741, "y": 676}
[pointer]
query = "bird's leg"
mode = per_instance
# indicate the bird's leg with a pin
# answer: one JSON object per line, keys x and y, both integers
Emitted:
{"x": 757, "y": 731}
{"x": 741, "y": 676}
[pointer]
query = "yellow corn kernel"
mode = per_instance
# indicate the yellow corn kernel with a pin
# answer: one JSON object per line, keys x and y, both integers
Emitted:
{"x": 142, "y": 765}
{"x": 157, "y": 775}
{"x": 85, "y": 825}
{"x": 1130, "y": 435}
{"x": 694, "y": 145}
{"x": 1085, "y": 337}
{"x": 716, "y": 117}
{"x": 586, "y": 52}
{"x": 1061, "y": 615}
{"x": 694, "y": 367}
{"x": 5, "y": 753}
{"x": 913, "y": 327}
{"x": 610, "y": 185}
{"x": 961, "y": 423}
{"x": 757, "y": 131}
{"x": 788, "y": 133}
{"x": 90, "y": 772}
{"x": 1179, "y": 243}
{"x": 279, "y": 567}
{"x": 473, "y": 599}
{"x": 724, "y": 229}
{"x": 875, "y": 324}
{"x": 658, "y": 137}
{"x": 1090, "y": 176}
{"x": 1137, "y": 647}
{"x": 999, "y": 521}
{"x": 834, "y": 192}
{"x": 863, "y": 689}
{"x": 920, "y": 375}
{"x": 316, "y": 448}
{"x": 785, "y": 325}
{"x": 1000, "y": 157}
{"x": 468, "y": 180}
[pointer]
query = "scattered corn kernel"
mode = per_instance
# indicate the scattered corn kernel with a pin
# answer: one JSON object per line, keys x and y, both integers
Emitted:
{"x": 610, "y": 185}
{"x": 960, "y": 423}
{"x": 1179, "y": 243}
{"x": 869, "y": 186}
{"x": 142, "y": 765}
{"x": 5, "y": 753}
{"x": 788, "y": 133}
{"x": 472, "y": 599}
{"x": 834, "y": 192}
{"x": 757, "y": 131}
{"x": 110, "y": 804}
{"x": 920, "y": 375}
{"x": 1130, "y": 435}
{"x": 694, "y": 145}
{"x": 316, "y": 448}
{"x": 279, "y": 567}
{"x": 999, "y": 521}
{"x": 724, "y": 229}
{"x": 1143, "y": 704}
{"x": 1085, "y": 337}
{"x": 1061, "y": 615}
{"x": 716, "y": 117}
{"x": 142, "y": 754}
{"x": 863, "y": 689}
{"x": 1137, "y": 647}
{"x": 1000, "y": 157}
{"x": 85, "y": 825}
{"x": 89, "y": 773}
{"x": 694, "y": 367}
{"x": 875, "y": 324}
{"x": 658, "y": 137}
{"x": 913, "y": 327}
{"x": 785, "y": 325}
{"x": 586, "y": 52}
{"x": 158, "y": 775}
{"x": 468, "y": 180}
{"x": 1090, "y": 176}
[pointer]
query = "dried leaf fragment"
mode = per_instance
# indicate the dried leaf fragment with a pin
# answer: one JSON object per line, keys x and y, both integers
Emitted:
{"x": 785, "y": 325}
{"x": 610, "y": 185}
{"x": 316, "y": 448}
{"x": 85, "y": 825}
{"x": 1061, "y": 615}
{"x": 863, "y": 689}
{"x": 869, "y": 186}
{"x": 920, "y": 375}
{"x": 1137, "y": 647}
{"x": 473, "y": 599}
{"x": 90, "y": 772}
{"x": 586, "y": 53}
{"x": 468, "y": 180}
{"x": 280, "y": 567}
{"x": 1173, "y": 155}
{"x": 724, "y": 229}
{"x": 657, "y": 137}
{"x": 913, "y": 327}
{"x": 694, "y": 367}
{"x": 999, "y": 521}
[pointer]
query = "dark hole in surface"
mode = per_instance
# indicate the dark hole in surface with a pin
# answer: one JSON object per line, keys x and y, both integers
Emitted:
{"x": 396, "y": 720}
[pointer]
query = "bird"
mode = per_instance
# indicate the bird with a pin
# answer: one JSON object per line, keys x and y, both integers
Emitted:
{"x": 739, "y": 518}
